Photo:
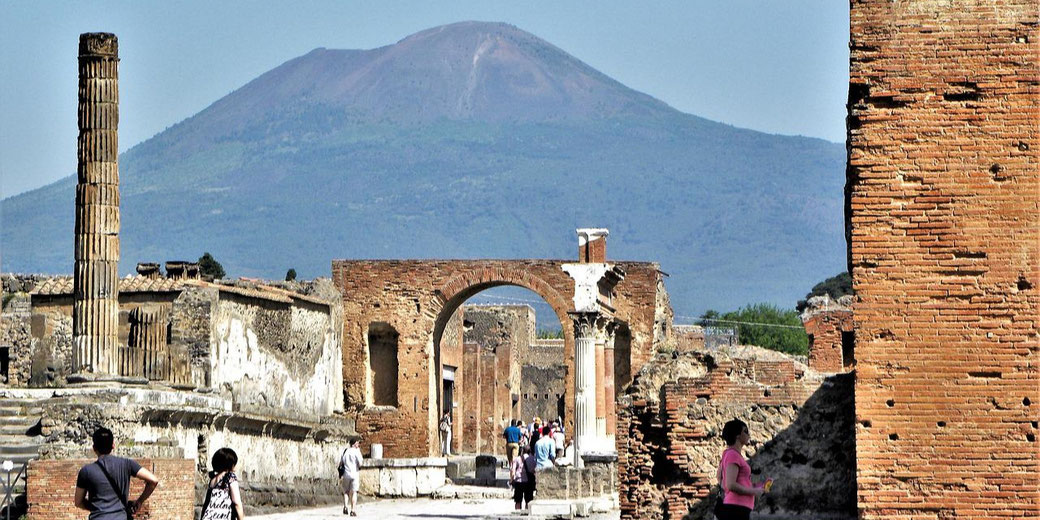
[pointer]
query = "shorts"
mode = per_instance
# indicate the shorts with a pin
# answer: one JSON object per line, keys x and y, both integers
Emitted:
{"x": 348, "y": 485}
{"x": 523, "y": 491}
{"x": 732, "y": 512}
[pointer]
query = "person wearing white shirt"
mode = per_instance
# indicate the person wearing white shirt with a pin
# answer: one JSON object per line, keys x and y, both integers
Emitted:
{"x": 349, "y": 475}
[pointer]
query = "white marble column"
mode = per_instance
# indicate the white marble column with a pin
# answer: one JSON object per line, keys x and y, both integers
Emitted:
{"x": 584, "y": 384}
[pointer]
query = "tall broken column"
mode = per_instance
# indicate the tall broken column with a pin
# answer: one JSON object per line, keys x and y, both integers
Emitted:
{"x": 95, "y": 311}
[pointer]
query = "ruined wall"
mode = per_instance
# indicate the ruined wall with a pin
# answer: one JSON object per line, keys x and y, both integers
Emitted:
{"x": 52, "y": 488}
{"x": 16, "y": 338}
{"x": 801, "y": 426}
{"x": 830, "y": 328}
{"x": 502, "y": 332}
{"x": 271, "y": 354}
{"x": 418, "y": 296}
{"x": 542, "y": 383}
{"x": 285, "y": 459}
{"x": 944, "y": 237}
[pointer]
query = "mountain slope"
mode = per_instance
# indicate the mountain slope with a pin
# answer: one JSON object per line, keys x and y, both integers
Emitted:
{"x": 468, "y": 140}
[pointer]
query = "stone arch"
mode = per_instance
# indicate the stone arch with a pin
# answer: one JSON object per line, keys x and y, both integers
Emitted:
{"x": 466, "y": 285}
{"x": 461, "y": 287}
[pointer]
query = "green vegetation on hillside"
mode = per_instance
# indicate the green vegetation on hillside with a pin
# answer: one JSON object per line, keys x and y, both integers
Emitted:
{"x": 836, "y": 286}
{"x": 763, "y": 325}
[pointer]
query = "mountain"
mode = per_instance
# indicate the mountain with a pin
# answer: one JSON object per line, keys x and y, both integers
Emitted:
{"x": 463, "y": 141}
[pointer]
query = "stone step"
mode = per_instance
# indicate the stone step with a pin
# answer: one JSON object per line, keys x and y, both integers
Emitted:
{"x": 18, "y": 449}
{"x": 17, "y": 420}
{"x": 14, "y": 430}
{"x": 19, "y": 458}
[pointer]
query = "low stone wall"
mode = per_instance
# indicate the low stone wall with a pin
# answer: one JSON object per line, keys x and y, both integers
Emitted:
{"x": 51, "y": 489}
{"x": 402, "y": 477}
{"x": 597, "y": 479}
{"x": 285, "y": 460}
{"x": 801, "y": 423}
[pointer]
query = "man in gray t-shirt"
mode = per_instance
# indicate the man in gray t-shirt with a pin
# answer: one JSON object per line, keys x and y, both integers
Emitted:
{"x": 103, "y": 485}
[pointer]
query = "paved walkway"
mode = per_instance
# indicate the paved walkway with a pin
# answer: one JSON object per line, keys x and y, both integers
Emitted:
{"x": 416, "y": 508}
{"x": 406, "y": 508}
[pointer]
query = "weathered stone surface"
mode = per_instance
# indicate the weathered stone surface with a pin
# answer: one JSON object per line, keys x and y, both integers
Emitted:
{"x": 95, "y": 313}
{"x": 417, "y": 298}
{"x": 801, "y": 425}
{"x": 943, "y": 226}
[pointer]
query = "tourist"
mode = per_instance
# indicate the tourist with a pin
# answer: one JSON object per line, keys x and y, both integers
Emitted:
{"x": 558, "y": 438}
{"x": 223, "y": 497}
{"x": 350, "y": 476}
{"x": 734, "y": 475}
{"x": 445, "y": 432}
{"x": 512, "y": 435}
{"x": 545, "y": 450}
{"x": 103, "y": 486}
{"x": 522, "y": 477}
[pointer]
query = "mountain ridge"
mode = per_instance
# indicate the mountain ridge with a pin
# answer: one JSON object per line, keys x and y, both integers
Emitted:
{"x": 337, "y": 154}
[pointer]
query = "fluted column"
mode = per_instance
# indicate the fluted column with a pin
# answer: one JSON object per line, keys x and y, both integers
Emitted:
{"x": 146, "y": 355}
{"x": 95, "y": 311}
{"x": 584, "y": 384}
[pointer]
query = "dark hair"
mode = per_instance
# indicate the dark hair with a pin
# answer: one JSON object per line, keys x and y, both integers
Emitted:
{"x": 224, "y": 460}
{"x": 546, "y": 430}
{"x": 732, "y": 430}
{"x": 103, "y": 441}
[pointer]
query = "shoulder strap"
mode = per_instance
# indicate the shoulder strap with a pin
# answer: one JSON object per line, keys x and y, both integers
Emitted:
{"x": 112, "y": 482}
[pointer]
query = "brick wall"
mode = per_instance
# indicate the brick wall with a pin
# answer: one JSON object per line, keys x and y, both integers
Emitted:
{"x": 52, "y": 489}
{"x": 825, "y": 339}
{"x": 943, "y": 184}
{"x": 417, "y": 298}
{"x": 801, "y": 426}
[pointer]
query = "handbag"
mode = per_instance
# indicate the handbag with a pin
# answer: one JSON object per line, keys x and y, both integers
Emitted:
{"x": 342, "y": 468}
{"x": 720, "y": 495}
{"x": 115, "y": 489}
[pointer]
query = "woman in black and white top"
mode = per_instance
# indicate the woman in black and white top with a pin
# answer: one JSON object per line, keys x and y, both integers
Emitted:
{"x": 223, "y": 498}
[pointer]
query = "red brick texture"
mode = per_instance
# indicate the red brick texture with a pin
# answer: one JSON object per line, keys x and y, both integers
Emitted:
{"x": 668, "y": 450}
{"x": 942, "y": 193}
{"x": 52, "y": 489}
{"x": 417, "y": 297}
{"x": 825, "y": 347}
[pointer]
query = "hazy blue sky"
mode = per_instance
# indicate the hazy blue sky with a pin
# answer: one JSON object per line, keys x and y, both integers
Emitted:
{"x": 779, "y": 67}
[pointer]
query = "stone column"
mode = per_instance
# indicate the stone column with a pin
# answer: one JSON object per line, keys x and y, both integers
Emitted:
{"x": 608, "y": 385}
{"x": 584, "y": 383}
{"x": 95, "y": 304}
{"x": 601, "y": 396}
{"x": 146, "y": 353}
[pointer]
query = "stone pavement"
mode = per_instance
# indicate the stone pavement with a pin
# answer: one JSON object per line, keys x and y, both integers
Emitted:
{"x": 420, "y": 508}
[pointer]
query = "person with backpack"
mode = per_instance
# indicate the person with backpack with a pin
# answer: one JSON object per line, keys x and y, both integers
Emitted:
{"x": 103, "y": 486}
{"x": 223, "y": 496}
{"x": 349, "y": 476}
{"x": 522, "y": 477}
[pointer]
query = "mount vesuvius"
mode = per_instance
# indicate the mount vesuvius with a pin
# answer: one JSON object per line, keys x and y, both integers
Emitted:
{"x": 463, "y": 141}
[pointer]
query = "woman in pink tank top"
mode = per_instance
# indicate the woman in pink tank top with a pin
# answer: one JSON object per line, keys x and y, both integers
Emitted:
{"x": 734, "y": 475}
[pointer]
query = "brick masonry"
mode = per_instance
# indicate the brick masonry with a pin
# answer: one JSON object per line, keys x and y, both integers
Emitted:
{"x": 52, "y": 489}
{"x": 418, "y": 297}
{"x": 943, "y": 184}
{"x": 801, "y": 424}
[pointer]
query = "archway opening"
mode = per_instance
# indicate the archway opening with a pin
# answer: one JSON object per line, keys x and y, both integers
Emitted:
{"x": 501, "y": 355}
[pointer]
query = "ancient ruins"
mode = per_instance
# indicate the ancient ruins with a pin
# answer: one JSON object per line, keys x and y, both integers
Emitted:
{"x": 917, "y": 399}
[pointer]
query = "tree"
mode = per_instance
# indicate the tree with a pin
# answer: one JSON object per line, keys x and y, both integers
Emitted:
{"x": 836, "y": 286}
{"x": 765, "y": 325}
{"x": 290, "y": 275}
{"x": 210, "y": 268}
{"x": 708, "y": 318}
